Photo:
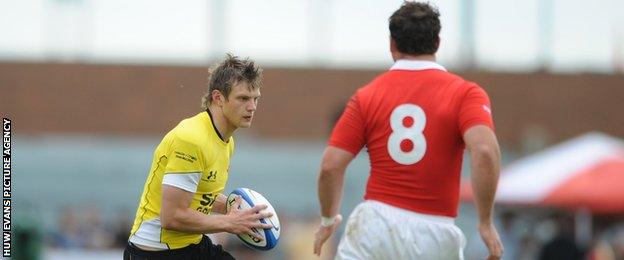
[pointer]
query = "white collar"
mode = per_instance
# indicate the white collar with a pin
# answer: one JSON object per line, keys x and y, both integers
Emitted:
{"x": 416, "y": 65}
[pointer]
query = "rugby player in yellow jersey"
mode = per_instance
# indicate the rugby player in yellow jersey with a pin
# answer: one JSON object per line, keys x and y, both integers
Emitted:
{"x": 190, "y": 169}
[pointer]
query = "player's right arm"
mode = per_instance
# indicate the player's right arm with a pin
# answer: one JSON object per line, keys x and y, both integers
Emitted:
{"x": 330, "y": 185}
{"x": 182, "y": 176}
{"x": 178, "y": 216}
{"x": 346, "y": 141}
{"x": 484, "y": 152}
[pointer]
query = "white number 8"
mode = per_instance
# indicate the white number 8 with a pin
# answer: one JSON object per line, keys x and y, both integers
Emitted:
{"x": 413, "y": 133}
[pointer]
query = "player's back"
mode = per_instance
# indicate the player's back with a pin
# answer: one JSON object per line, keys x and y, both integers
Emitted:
{"x": 414, "y": 116}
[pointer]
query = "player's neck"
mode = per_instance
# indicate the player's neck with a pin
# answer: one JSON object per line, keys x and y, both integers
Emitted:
{"x": 221, "y": 123}
{"x": 428, "y": 57}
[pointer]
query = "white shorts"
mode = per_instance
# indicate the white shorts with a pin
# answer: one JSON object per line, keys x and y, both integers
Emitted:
{"x": 376, "y": 230}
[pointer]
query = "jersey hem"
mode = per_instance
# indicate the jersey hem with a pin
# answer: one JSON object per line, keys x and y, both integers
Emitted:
{"x": 452, "y": 214}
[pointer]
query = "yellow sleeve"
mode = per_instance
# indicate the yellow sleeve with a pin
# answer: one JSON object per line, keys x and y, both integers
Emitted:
{"x": 184, "y": 157}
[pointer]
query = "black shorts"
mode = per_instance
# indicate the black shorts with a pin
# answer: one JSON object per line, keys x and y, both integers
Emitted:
{"x": 205, "y": 250}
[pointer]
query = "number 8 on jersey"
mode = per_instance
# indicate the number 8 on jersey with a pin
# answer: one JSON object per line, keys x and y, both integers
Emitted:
{"x": 407, "y": 144}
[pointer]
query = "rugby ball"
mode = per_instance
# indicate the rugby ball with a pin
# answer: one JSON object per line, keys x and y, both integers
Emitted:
{"x": 250, "y": 198}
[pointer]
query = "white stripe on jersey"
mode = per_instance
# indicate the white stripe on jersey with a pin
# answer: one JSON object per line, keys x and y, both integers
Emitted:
{"x": 185, "y": 181}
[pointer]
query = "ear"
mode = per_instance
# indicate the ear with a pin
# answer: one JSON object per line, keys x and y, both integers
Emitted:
{"x": 394, "y": 52}
{"x": 438, "y": 44}
{"x": 217, "y": 97}
{"x": 393, "y": 47}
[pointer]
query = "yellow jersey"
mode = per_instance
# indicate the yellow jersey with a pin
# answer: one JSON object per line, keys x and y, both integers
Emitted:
{"x": 193, "y": 157}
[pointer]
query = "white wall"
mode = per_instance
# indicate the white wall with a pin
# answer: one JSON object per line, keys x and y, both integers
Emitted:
{"x": 585, "y": 36}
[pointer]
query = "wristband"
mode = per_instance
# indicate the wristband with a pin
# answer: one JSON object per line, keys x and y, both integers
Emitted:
{"x": 328, "y": 222}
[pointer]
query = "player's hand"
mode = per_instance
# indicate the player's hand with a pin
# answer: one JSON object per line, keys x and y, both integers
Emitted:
{"x": 246, "y": 221}
{"x": 492, "y": 241}
{"x": 323, "y": 233}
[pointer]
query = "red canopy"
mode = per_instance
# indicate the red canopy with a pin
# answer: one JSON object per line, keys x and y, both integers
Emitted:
{"x": 586, "y": 172}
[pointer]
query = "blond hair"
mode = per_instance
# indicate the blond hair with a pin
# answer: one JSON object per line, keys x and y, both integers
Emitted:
{"x": 228, "y": 72}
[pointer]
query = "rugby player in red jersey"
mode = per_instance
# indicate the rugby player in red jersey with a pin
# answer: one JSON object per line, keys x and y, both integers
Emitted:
{"x": 415, "y": 120}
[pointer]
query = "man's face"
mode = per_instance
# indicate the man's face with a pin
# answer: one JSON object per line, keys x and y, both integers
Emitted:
{"x": 241, "y": 104}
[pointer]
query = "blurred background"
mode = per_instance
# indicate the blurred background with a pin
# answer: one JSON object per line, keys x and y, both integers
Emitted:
{"x": 93, "y": 85}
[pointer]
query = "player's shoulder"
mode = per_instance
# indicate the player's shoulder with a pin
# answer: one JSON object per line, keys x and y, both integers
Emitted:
{"x": 459, "y": 83}
{"x": 372, "y": 85}
{"x": 381, "y": 79}
{"x": 190, "y": 130}
{"x": 453, "y": 79}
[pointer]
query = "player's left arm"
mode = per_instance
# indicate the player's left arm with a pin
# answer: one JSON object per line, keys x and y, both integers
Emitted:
{"x": 477, "y": 127}
{"x": 219, "y": 205}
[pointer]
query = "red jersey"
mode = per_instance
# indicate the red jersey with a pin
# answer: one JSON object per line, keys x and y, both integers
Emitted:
{"x": 412, "y": 119}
